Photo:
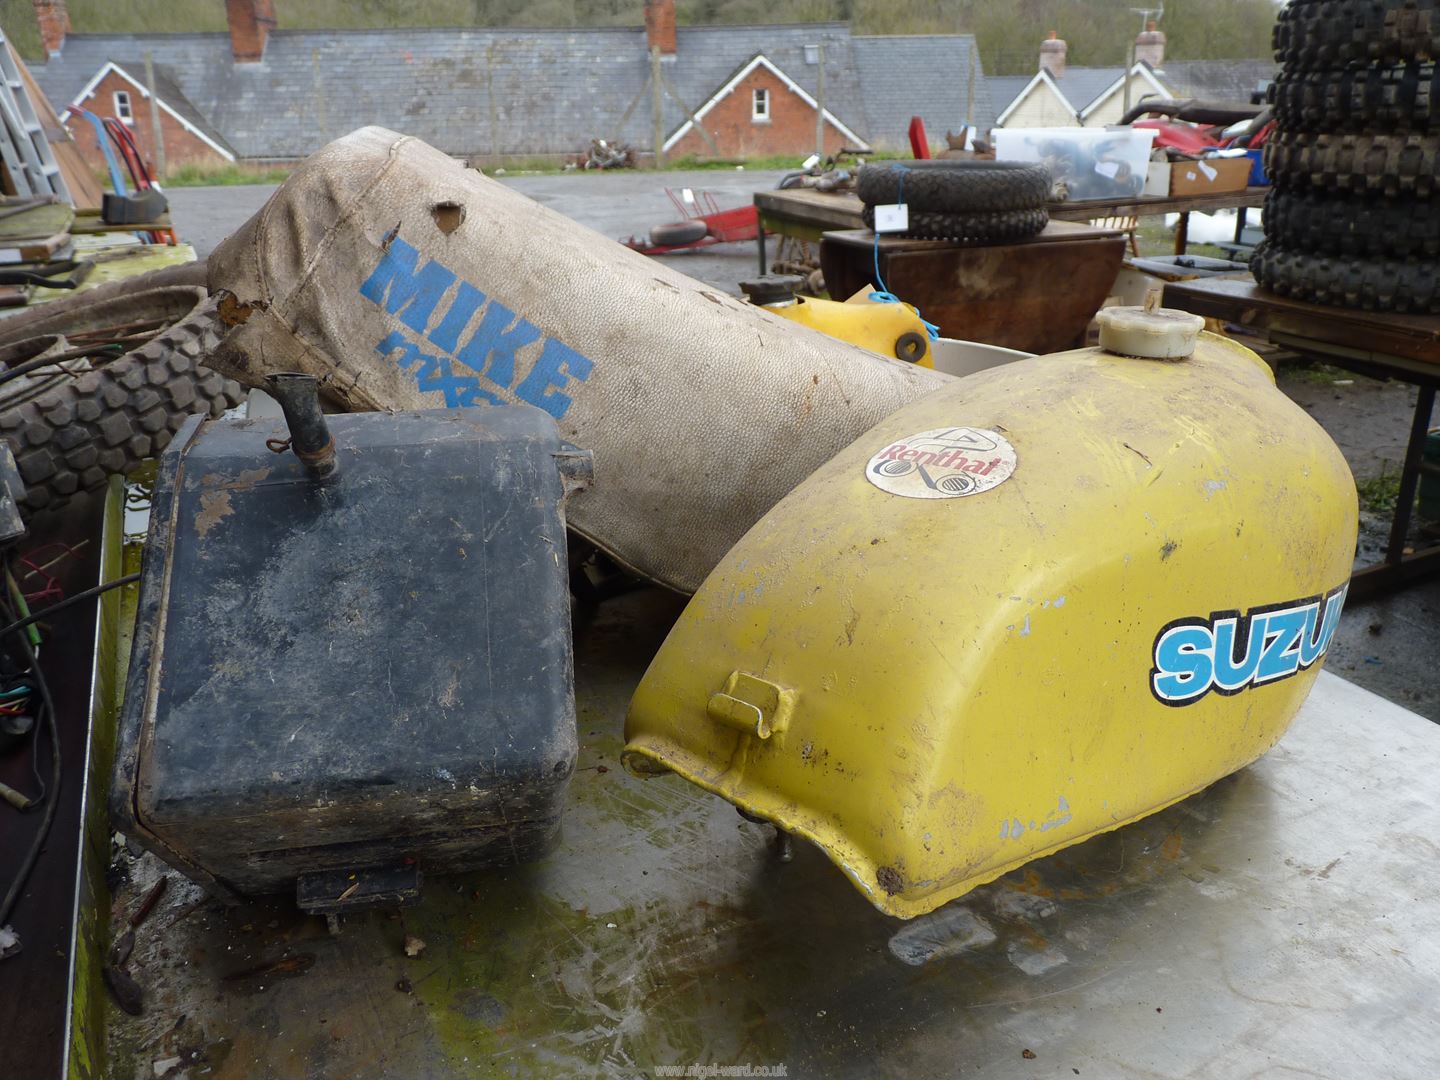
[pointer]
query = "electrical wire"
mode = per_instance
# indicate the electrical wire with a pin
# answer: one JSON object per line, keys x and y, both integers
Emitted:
{"x": 7, "y": 905}
{"x": 52, "y": 790}
{"x": 49, "y": 792}
{"x": 20, "y": 603}
{"x": 45, "y": 613}
{"x": 64, "y": 357}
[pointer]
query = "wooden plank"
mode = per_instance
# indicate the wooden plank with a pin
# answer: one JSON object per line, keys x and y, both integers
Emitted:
{"x": 841, "y": 210}
{"x": 1151, "y": 205}
{"x": 33, "y": 222}
{"x": 804, "y": 206}
{"x": 32, "y": 250}
{"x": 89, "y": 222}
{"x": 1370, "y": 334}
{"x": 118, "y": 264}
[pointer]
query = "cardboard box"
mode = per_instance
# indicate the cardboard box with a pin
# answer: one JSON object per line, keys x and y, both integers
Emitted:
{"x": 1209, "y": 176}
{"x": 1157, "y": 179}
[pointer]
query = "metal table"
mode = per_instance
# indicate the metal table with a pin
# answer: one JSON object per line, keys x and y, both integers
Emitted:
{"x": 1383, "y": 345}
{"x": 806, "y": 213}
{"x": 1281, "y": 922}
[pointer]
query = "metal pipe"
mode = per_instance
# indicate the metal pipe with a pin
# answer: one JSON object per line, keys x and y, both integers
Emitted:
{"x": 310, "y": 438}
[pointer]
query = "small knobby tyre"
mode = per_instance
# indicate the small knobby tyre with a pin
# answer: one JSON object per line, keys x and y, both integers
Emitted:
{"x": 1359, "y": 100}
{"x": 1402, "y": 285}
{"x": 1382, "y": 164}
{"x": 1316, "y": 34}
{"x": 1353, "y": 225}
{"x": 999, "y": 227}
{"x": 678, "y": 233}
{"x": 70, "y": 433}
{"x": 955, "y": 187}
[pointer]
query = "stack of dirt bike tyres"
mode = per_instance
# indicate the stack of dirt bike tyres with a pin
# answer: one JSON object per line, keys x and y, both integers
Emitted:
{"x": 983, "y": 202}
{"x": 1353, "y": 217}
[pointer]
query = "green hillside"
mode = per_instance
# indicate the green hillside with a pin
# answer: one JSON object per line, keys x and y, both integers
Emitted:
{"x": 1009, "y": 31}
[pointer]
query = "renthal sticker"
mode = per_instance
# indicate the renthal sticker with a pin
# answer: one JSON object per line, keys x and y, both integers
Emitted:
{"x": 1230, "y": 652}
{"x": 946, "y": 463}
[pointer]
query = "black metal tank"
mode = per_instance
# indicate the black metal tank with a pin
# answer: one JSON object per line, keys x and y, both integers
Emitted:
{"x": 352, "y": 664}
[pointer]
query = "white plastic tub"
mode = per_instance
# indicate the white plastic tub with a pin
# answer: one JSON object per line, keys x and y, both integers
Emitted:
{"x": 955, "y": 357}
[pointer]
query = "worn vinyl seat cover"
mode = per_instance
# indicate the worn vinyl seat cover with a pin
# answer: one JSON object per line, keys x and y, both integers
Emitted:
{"x": 413, "y": 282}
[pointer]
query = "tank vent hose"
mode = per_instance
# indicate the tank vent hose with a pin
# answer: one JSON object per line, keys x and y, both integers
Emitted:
{"x": 299, "y": 398}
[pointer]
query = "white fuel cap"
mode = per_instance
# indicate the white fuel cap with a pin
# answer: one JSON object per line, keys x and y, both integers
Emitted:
{"x": 1150, "y": 332}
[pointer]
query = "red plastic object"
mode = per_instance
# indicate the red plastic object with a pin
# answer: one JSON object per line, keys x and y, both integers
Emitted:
{"x": 1184, "y": 137}
{"x": 722, "y": 226}
{"x": 729, "y": 226}
{"x": 919, "y": 144}
{"x": 1189, "y": 139}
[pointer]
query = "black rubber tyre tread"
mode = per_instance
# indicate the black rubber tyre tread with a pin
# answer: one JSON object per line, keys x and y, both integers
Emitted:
{"x": 75, "y": 433}
{"x": 1369, "y": 100}
{"x": 1403, "y": 285}
{"x": 678, "y": 233}
{"x": 1353, "y": 225}
{"x": 1384, "y": 164}
{"x": 955, "y": 187}
{"x": 998, "y": 227}
{"x": 1317, "y": 34}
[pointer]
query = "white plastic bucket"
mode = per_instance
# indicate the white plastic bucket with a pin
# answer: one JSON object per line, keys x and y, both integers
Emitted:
{"x": 955, "y": 357}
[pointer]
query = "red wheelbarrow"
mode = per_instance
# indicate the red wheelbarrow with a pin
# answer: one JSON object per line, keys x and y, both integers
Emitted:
{"x": 702, "y": 224}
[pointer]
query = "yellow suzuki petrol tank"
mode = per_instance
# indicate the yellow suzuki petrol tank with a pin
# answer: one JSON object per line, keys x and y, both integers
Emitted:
{"x": 1039, "y": 603}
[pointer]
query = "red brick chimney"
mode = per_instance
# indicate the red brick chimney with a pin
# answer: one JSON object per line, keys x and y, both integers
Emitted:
{"x": 54, "y": 20}
{"x": 1052, "y": 55}
{"x": 250, "y": 24}
{"x": 660, "y": 26}
{"x": 1150, "y": 46}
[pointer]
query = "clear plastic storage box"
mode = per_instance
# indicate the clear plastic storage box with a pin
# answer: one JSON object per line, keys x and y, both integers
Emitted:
{"x": 1086, "y": 163}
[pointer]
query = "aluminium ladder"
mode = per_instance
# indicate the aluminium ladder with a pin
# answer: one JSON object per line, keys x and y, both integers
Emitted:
{"x": 24, "y": 147}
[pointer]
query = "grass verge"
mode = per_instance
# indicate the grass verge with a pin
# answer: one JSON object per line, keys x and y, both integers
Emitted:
{"x": 1379, "y": 494}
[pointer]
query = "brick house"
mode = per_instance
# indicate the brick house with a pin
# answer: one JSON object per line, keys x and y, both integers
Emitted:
{"x": 122, "y": 94}
{"x": 760, "y": 111}
{"x": 260, "y": 94}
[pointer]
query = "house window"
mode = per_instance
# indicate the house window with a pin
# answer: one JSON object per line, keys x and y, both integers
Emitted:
{"x": 123, "y": 112}
{"x": 760, "y": 106}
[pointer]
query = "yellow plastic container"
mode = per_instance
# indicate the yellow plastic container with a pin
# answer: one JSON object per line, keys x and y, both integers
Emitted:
{"x": 887, "y": 328}
{"x": 1035, "y": 605}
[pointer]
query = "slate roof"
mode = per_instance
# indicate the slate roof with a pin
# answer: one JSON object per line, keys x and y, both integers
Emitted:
{"x": 500, "y": 91}
{"x": 928, "y": 77}
{"x": 1005, "y": 88}
{"x": 168, "y": 91}
{"x": 1082, "y": 85}
{"x": 1217, "y": 80}
{"x": 1079, "y": 86}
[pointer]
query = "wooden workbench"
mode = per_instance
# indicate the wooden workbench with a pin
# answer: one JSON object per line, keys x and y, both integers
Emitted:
{"x": 1380, "y": 344}
{"x": 806, "y": 213}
